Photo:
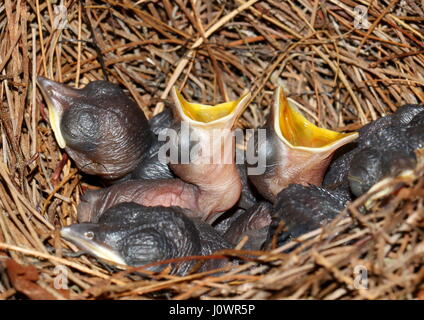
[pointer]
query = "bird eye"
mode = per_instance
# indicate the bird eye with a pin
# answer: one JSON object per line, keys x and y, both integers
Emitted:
{"x": 89, "y": 235}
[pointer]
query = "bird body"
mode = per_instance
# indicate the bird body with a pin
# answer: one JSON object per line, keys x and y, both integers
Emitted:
{"x": 135, "y": 235}
{"x": 99, "y": 126}
{"x": 296, "y": 151}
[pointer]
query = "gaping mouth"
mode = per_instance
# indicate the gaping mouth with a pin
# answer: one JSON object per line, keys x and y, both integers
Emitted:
{"x": 50, "y": 89}
{"x": 97, "y": 249}
{"x": 207, "y": 113}
{"x": 293, "y": 128}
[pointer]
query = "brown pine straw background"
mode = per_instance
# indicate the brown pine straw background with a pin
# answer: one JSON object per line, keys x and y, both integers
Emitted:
{"x": 343, "y": 76}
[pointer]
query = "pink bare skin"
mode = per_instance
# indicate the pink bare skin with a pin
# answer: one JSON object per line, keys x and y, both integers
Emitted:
{"x": 286, "y": 166}
{"x": 150, "y": 193}
{"x": 217, "y": 179}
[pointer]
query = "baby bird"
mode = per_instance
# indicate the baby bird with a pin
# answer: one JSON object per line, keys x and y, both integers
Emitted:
{"x": 99, "y": 126}
{"x": 296, "y": 151}
{"x": 135, "y": 235}
{"x": 304, "y": 209}
{"x": 385, "y": 148}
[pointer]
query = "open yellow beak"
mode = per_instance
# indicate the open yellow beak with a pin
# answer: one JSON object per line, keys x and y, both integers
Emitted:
{"x": 297, "y": 151}
{"x": 211, "y": 164}
{"x": 297, "y": 132}
{"x": 208, "y": 114}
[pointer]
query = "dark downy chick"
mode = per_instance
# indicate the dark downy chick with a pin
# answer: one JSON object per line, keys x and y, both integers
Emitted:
{"x": 253, "y": 223}
{"x": 99, "y": 126}
{"x": 304, "y": 209}
{"x": 385, "y": 148}
{"x": 135, "y": 235}
{"x": 151, "y": 167}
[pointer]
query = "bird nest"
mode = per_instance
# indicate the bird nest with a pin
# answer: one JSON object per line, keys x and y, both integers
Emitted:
{"x": 346, "y": 62}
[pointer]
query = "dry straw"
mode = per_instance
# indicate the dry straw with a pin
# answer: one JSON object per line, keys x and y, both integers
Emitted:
{"x": 344, "y": 74}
